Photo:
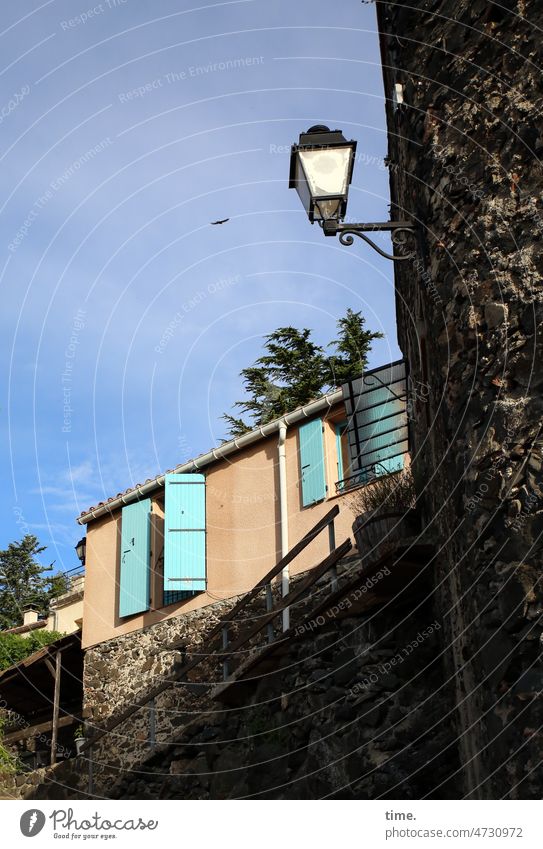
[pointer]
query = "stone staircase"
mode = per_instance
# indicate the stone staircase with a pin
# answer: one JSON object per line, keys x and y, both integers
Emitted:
{"x": 248, "y": 649}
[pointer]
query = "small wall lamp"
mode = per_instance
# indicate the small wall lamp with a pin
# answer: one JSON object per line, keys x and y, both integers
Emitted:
{"x": 81, "y": 550}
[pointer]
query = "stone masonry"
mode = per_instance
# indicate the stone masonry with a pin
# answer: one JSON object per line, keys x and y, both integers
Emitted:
{"x": 465, "y": 141}
{"x": 357, "y": 709}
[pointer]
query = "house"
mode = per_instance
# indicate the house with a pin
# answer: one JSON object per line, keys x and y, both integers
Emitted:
{"x": 209, "y": 529}
{"x": 65, "y": 612}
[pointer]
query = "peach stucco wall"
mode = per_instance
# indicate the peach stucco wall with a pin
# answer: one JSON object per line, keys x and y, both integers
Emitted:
{"x": 66, "y": 619}
{"x": 243, "y": 533}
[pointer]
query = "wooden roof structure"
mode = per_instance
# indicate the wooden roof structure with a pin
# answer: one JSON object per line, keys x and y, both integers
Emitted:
{"x": 44, "y": 690}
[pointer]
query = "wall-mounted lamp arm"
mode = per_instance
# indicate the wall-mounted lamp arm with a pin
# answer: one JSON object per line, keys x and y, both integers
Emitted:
{"x": 401, "y": 231}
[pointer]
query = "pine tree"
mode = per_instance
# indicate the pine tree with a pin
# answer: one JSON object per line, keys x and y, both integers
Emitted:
{"x": 352, "y": 346}
{"x": 295, "y": 370}
{"x": 236, "y": 426}
{"x": 290, "y": 373}
{"x": 22, "y": 581}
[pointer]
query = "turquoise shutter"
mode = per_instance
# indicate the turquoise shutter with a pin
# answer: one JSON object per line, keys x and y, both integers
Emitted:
{"x": 134, "y": 583}
{"x": 376, "y": 406}
{"x": 392, "y": 464}
{"x": 185, "y": 533}
{"x": 312, "y": 462}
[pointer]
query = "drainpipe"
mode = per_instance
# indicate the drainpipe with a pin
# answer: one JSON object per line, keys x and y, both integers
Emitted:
{"x": 283, "y": 513}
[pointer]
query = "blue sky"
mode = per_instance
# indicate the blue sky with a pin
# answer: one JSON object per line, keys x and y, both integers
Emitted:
{"x": 126, "y": 317}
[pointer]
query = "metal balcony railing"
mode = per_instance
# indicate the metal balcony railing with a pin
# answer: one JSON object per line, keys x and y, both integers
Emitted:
{"x": 370, "y": 473}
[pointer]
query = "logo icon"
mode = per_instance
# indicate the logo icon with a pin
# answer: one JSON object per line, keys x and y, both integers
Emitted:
{"x": 32, "y": 822}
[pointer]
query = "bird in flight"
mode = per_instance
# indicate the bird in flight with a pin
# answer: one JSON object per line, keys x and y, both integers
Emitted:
{"x": 222, "y": 221}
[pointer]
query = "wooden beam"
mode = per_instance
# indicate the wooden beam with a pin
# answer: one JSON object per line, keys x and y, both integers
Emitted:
{"x": 50, "y": 667}
{"x": 289, "y": 599}
{"x": 34, "y": 730}
{"x": 56, "y": 705}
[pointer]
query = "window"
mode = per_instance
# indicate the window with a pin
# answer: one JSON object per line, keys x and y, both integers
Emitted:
{"x": 342, "y": 445}
{"x": 179, "y": 543}
{"x": 347, "y": 477}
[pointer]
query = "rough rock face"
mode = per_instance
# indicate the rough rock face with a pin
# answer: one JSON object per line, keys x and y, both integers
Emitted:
{"x": 464, "y": 151}
{"x": 118, "y": 671}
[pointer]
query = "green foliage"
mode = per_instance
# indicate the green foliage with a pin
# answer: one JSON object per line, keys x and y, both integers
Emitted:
{"x": 15, "y": 647}
{"x": 352, "y": 346}
{"x": 23, "y": 581}
{"x": 9, "y": 763}
{"x": 295, "y": 370}
{"x": 236, "y": 427}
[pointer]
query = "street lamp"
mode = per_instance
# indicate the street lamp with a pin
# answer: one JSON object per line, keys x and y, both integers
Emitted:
{"x": 321, "y": 169}
{"x": 81, "y": 550}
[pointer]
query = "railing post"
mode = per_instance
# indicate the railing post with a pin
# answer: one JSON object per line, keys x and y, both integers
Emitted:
{"x": 225, "y": 670}
{"x": 91, "y": 775}
{"x": 332, "y": 545}
{"x": 152, "y": 724}
{"x": 269, "y": 605}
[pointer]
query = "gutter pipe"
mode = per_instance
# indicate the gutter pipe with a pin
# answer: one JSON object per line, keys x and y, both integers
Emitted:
{"x": 283, "y": 512}
{"x": 230, "y": 447}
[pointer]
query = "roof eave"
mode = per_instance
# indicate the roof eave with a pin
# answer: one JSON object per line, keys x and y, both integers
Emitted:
{"x": 226, "y": 449}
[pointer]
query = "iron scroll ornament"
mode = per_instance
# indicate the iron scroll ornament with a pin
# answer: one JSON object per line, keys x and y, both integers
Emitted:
{"x": 401, "y": 231}
{"x": 346, "y": 237}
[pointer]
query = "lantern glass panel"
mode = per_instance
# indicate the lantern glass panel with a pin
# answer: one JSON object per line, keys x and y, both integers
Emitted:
{"x": 327, "y": 170}
{"x": 326, "y": 210}
{"x": 302, "y": 186}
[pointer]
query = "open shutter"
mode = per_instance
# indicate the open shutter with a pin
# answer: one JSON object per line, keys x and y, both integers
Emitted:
{"x": 312, "y": 462}
{"x": 185, "y": 533}
{"x": 135, "y": 558}
{"x": 376, "y": 406}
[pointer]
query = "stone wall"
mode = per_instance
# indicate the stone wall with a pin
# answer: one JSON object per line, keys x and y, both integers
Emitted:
{"x": 117, "y": 672}
{"x": 116, "y": 675}
{"x": 464, "y": 158}
{"x": 358, "y": 709}
{"x": 354, "y": 707}
{"x": 65, "y": 780}
{"x": 120, "y": 672}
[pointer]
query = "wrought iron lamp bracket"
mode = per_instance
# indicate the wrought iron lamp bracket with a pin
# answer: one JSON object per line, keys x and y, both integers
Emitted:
{"x": 401, "y": 232}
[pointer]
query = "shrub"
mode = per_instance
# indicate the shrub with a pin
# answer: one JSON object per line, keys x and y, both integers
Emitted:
{"x": 9, "y": 764}
{"x": 15, "y": 647}
{"x": 387, "y": 494}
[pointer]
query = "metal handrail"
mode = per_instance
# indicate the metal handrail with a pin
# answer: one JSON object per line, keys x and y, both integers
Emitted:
{"x": 366, "y": 475}
{"x": 230, "y": 648}
{"x": 75, "y": 571}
